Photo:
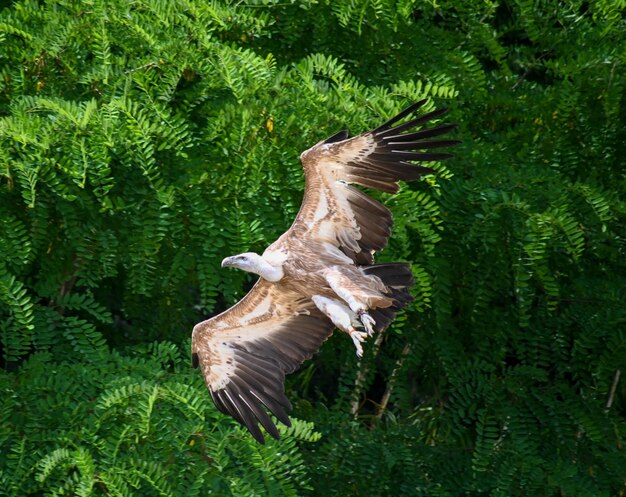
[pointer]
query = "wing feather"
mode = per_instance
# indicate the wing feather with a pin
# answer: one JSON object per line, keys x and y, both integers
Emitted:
{"x": 344, "y": 216}
{"x": 245, "y": 352}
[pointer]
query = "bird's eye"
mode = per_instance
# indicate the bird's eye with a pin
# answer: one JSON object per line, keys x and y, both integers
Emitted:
{"x": 243, "y": 258}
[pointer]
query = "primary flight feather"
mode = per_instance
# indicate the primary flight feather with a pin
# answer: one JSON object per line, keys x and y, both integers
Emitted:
{"x": 320, "y": 274}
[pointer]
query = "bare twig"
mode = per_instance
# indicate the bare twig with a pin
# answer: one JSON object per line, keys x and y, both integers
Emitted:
{"x": 361, "y": 376}
{"x": 387, "y": 395}
{"x": 145, "y": 66}
{"x": 609, "y": 402}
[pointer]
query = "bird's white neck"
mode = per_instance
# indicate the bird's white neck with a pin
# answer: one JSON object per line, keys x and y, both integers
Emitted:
{"x": 254, "y": 263}
{"x": 269, "y": 272}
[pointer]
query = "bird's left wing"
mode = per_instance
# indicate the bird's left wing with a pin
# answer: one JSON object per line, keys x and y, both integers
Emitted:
{"x": 245, "y": 352}
{"x": 344, "y": 217}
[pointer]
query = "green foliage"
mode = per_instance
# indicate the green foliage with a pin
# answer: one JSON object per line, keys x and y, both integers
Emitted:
{"x": 111, "y": 178}
{"x": 131, "y": 425}
{"x": 142, "y": 142}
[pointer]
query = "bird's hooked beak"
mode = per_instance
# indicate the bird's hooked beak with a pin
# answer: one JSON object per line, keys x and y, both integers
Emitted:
{"x": 228, "y": 262}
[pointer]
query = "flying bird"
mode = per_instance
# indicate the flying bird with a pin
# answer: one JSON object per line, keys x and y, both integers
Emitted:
{"x": 320, "y": 274}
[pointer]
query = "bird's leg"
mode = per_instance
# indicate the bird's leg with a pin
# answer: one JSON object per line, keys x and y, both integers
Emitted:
{"x": 340, "y": 286}
{"x": 343, "y": 318}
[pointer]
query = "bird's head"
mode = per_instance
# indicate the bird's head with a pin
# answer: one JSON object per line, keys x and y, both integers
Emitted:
{"x": 248, "y": 261}
{"x": 254, "y": 263}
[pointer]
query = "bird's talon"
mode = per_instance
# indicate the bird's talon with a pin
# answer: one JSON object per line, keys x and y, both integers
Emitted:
{"x": 358, "y": 337}
{"x": 368, "y": 322}
{"x": 359, "y": 350}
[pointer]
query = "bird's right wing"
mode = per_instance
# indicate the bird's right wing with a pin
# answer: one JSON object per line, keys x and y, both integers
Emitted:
{"x": 245, "y": 352}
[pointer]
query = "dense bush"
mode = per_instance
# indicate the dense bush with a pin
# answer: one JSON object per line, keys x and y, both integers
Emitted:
{"x": 134, "y": 426}
{"x": 142, "y": 142}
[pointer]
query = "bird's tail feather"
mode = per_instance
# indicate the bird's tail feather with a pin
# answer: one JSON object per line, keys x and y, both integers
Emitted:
{"x": 398, "y": 278}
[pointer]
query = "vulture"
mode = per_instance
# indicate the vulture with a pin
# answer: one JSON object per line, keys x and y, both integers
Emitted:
{"x": 320, "y": 274}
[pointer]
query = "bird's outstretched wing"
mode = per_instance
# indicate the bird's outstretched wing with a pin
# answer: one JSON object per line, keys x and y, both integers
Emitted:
{"x": 245, "y": 352}
{"x": 335, "y": 212}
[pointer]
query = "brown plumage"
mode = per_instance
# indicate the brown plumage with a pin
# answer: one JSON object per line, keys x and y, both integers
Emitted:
{"x": 319, "y": 274}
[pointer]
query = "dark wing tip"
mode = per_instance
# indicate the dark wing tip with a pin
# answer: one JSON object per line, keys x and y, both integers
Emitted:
{"x": 245, "y": 410}
{"x": 385, "y": 131}
{"x": 257, "y": 435}
{"x": 195, "y": 360}
{"x": 395, "y": 119}
{"x": 256, "y": 385}
{"x": 337, "y": 137}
